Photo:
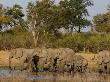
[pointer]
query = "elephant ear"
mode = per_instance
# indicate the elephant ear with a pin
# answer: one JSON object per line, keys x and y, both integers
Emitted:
{"x": 104, "y": 56}
{"x": 17, "y": 53}
{"x": 13, "y": 53}
{"x": 107, "y": 57}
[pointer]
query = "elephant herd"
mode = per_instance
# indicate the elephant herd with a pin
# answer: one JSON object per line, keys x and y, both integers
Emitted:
{"x": 56, "y": 60}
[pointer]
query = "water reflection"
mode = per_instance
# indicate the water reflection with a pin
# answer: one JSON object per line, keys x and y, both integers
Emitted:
{"x": 24, "y": 76}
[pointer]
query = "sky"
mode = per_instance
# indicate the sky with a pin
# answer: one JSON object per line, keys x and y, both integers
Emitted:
{"x": 100, "y": 6}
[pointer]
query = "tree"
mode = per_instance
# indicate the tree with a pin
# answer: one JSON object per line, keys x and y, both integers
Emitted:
{"x": 75, "y": 13}
{"x": 11, "y": 17}
{"x": 39, "y": 17}
{"x": 102, "y": 22}
{"x": 32, "y": 22}
{"x": 4, "y": 20}
{"x": 16, "y": 13}
{"x": 1, "y": 10}
{"x": 48, "y": 17}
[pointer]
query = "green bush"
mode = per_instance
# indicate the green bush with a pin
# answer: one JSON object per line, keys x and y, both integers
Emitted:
{"x": 20, "y": 38}
{"x": 15, "y": 38}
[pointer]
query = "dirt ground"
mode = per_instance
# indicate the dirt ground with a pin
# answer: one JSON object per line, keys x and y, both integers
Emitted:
{"x": 4, "y": 59}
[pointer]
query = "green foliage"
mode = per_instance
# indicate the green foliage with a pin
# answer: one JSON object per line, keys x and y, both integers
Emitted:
{"x": 51, "y": 17}
{"x": 75, "y": 12}
{"x": 1, "y": 11}
{"x": 5, "y": 20}
{"x": 11, "y": 16}
{"x": 102, "y": 22}
{"x": 19, "y": 37}
{"x": 46, "y": 18}
{"x": 15, "y": 38}
{"x": 15, "y": 12}
{"x": 91, "y": 42}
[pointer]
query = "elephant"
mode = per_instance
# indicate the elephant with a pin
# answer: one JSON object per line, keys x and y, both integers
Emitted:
{"x": 22, "y": 55}
{"x": 80, "y": 64}
{"x": 48, "y": 59}
{"x": 104, "y": 61}
{"x": 65, "y": 59}
{"x": 29, "y": 58}
{"x": 55, "y": 59}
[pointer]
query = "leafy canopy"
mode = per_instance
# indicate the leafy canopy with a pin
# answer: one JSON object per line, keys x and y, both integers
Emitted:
{"x": 69, "y": 14}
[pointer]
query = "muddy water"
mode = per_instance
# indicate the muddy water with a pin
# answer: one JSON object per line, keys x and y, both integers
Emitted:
{"x": 24, "y": 76}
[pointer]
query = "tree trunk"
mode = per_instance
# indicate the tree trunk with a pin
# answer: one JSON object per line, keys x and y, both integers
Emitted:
{"x": 71, "y": 30}
{"x": 79, "y": 30}
{"x": 84, "y": 49}
{"x": 35, "y": 38}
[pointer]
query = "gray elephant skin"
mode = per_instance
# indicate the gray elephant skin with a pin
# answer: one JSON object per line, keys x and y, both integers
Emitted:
{"x": 104, "y": 61}
{"x": 54, "y": 60}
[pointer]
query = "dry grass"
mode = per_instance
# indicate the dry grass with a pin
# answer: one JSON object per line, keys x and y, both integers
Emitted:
{"x": 4, "y": 58}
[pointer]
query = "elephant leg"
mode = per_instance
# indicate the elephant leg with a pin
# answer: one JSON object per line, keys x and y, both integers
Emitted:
{"x": 24, "y": 63}
{"x": 35, "y": 61}
{"x": 100, "y": 69}
{"x": 21, "y": 65}
{"x": 55, "y": 64}
{"x": 108, "y": 67}
{"x": 10, "y": 63}
{"x": 33, "y": 67}
{"x": 84, "y": 68}
{"x": 81, "y": 69}
{"x": 72, "y": 69}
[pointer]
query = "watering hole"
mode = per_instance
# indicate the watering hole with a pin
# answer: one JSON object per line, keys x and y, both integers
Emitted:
{"x": 25, "y": 76}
